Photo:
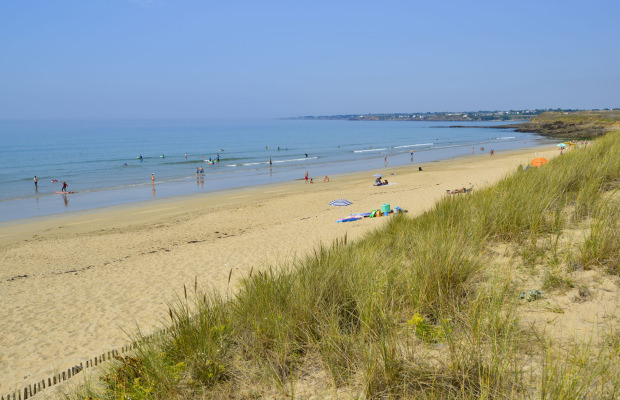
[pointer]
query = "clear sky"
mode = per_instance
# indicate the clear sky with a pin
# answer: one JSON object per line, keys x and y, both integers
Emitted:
{"x": 228, "y": 59}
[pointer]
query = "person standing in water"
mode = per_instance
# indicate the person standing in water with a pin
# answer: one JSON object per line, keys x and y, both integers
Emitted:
{"x": 270, "y": 163}
{"x": 153, "y": 178}
{"x": 36, "y": 182}
{"x": 64, "y": 186}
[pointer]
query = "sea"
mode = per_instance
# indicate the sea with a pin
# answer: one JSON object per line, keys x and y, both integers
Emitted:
{"x": 111, "y": 162}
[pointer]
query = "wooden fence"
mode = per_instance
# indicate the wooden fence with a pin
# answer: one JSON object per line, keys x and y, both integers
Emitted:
{"x": 37, "y": 387}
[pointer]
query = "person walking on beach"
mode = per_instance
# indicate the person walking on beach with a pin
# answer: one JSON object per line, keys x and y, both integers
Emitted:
{"x": 306, "y": 177}
{"x": 36, "y": 182}
{"x": 385, "y": 161}
{"x": 64, "y": 186}
{"x": 411, "y": 151}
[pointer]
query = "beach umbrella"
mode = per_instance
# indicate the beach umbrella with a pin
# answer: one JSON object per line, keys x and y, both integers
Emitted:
{"x": 340, "y": 203}
{"x": 561, "y": 144}
{"x": 537, "y": 162}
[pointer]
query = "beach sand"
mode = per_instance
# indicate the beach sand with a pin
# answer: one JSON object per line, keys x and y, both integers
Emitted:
{"x": 74, "y": 285}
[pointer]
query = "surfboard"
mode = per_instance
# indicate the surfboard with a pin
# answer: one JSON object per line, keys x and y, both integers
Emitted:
{"x": 349, "y": 219}
{"x": 64, "y": 192}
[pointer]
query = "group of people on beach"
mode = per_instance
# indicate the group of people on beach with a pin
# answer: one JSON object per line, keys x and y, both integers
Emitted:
{"x": 325, "y": 179}
{"x": 379, "y": 182}
{"x": 36, "y": 184}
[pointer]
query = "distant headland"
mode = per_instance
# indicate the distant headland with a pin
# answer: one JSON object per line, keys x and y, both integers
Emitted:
{"x": 557, "y": 123}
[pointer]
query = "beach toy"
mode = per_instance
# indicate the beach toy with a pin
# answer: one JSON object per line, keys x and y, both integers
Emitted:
{"x": 385, "y": 208}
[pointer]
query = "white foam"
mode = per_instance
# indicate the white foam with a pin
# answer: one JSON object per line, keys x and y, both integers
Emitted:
{"x": 414, "y": 145}
{"x": 364, "y": 151}
{"x": 296, "y": 159}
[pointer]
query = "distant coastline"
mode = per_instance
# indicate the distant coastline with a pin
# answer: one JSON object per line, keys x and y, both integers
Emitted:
{"x": 483, "y": 115}
{"x": 556, "y": 123}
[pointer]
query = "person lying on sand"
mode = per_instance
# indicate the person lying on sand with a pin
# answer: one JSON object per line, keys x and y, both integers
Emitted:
{"x": 460, "y": 190}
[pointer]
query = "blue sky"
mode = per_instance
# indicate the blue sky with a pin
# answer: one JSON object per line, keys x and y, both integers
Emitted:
{"x": 230, "y": 59}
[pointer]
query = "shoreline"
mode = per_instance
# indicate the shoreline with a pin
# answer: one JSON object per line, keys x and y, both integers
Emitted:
{"x": 95, "y": 189}
{"x": 75, "y": 283}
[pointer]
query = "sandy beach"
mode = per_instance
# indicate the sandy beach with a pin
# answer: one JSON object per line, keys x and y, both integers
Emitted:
{"x": 74, "y": 285}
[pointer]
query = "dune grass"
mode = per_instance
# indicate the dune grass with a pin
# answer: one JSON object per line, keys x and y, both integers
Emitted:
{"x": 414, "y": 310}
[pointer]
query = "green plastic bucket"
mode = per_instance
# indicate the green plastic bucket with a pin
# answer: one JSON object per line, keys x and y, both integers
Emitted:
{"x": 385, "y": 208}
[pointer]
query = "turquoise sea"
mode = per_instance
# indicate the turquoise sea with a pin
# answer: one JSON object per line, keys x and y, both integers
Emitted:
{"x": 91, "y": 156}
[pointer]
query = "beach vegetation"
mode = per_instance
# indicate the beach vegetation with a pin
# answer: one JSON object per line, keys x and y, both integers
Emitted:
{"x": 426, "y": 307}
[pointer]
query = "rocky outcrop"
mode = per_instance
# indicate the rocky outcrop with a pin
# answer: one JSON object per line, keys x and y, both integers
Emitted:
{"x": 576, "y": 125}
{"x": 563, "y": 130}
